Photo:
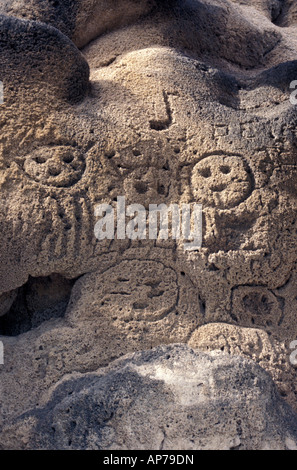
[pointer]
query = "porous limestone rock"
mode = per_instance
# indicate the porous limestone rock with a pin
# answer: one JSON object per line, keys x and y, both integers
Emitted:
{"x": 164, "y": 399}
{"x": 253, "y": 343}
{"x": 171, "y": 102}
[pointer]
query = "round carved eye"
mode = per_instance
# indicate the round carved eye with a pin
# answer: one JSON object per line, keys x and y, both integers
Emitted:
{"x": 59, "y": 166}
{"x": 205, "y": 172}
{"x": 147, "y": 187}
{"x": 221, "y": 181}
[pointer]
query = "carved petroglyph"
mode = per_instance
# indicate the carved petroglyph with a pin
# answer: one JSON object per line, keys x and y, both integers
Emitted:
{"x": 177, "y": 102}
{"x": 256, "y": 306}
{"x": 60, "y": 166}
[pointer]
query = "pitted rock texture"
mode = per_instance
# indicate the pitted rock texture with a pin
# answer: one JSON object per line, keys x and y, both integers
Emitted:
{"x": 81, "y": 20}
{"x": 255, "y": 344}
{"x": 165, "y": 102}
{"x": 167, "y": 398}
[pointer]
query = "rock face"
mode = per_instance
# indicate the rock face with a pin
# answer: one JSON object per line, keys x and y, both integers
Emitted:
{"x": 167, "y": 398}
{"x": 80, "y": 20}
{"x": 162, "y": 102}
{"x": 252, "y": 343}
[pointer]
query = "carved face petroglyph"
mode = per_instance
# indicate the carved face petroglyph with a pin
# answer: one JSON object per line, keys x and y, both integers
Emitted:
{"x": 221, "y": 181}
{"x": 150, "y": 126}
{"x": 58, "y": 166}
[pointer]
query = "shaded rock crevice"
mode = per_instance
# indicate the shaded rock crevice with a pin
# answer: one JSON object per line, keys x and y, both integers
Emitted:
{"x": 39, "y": 300}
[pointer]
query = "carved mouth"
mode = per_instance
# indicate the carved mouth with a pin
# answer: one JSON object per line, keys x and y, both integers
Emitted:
{"x": 218, "y": 188}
